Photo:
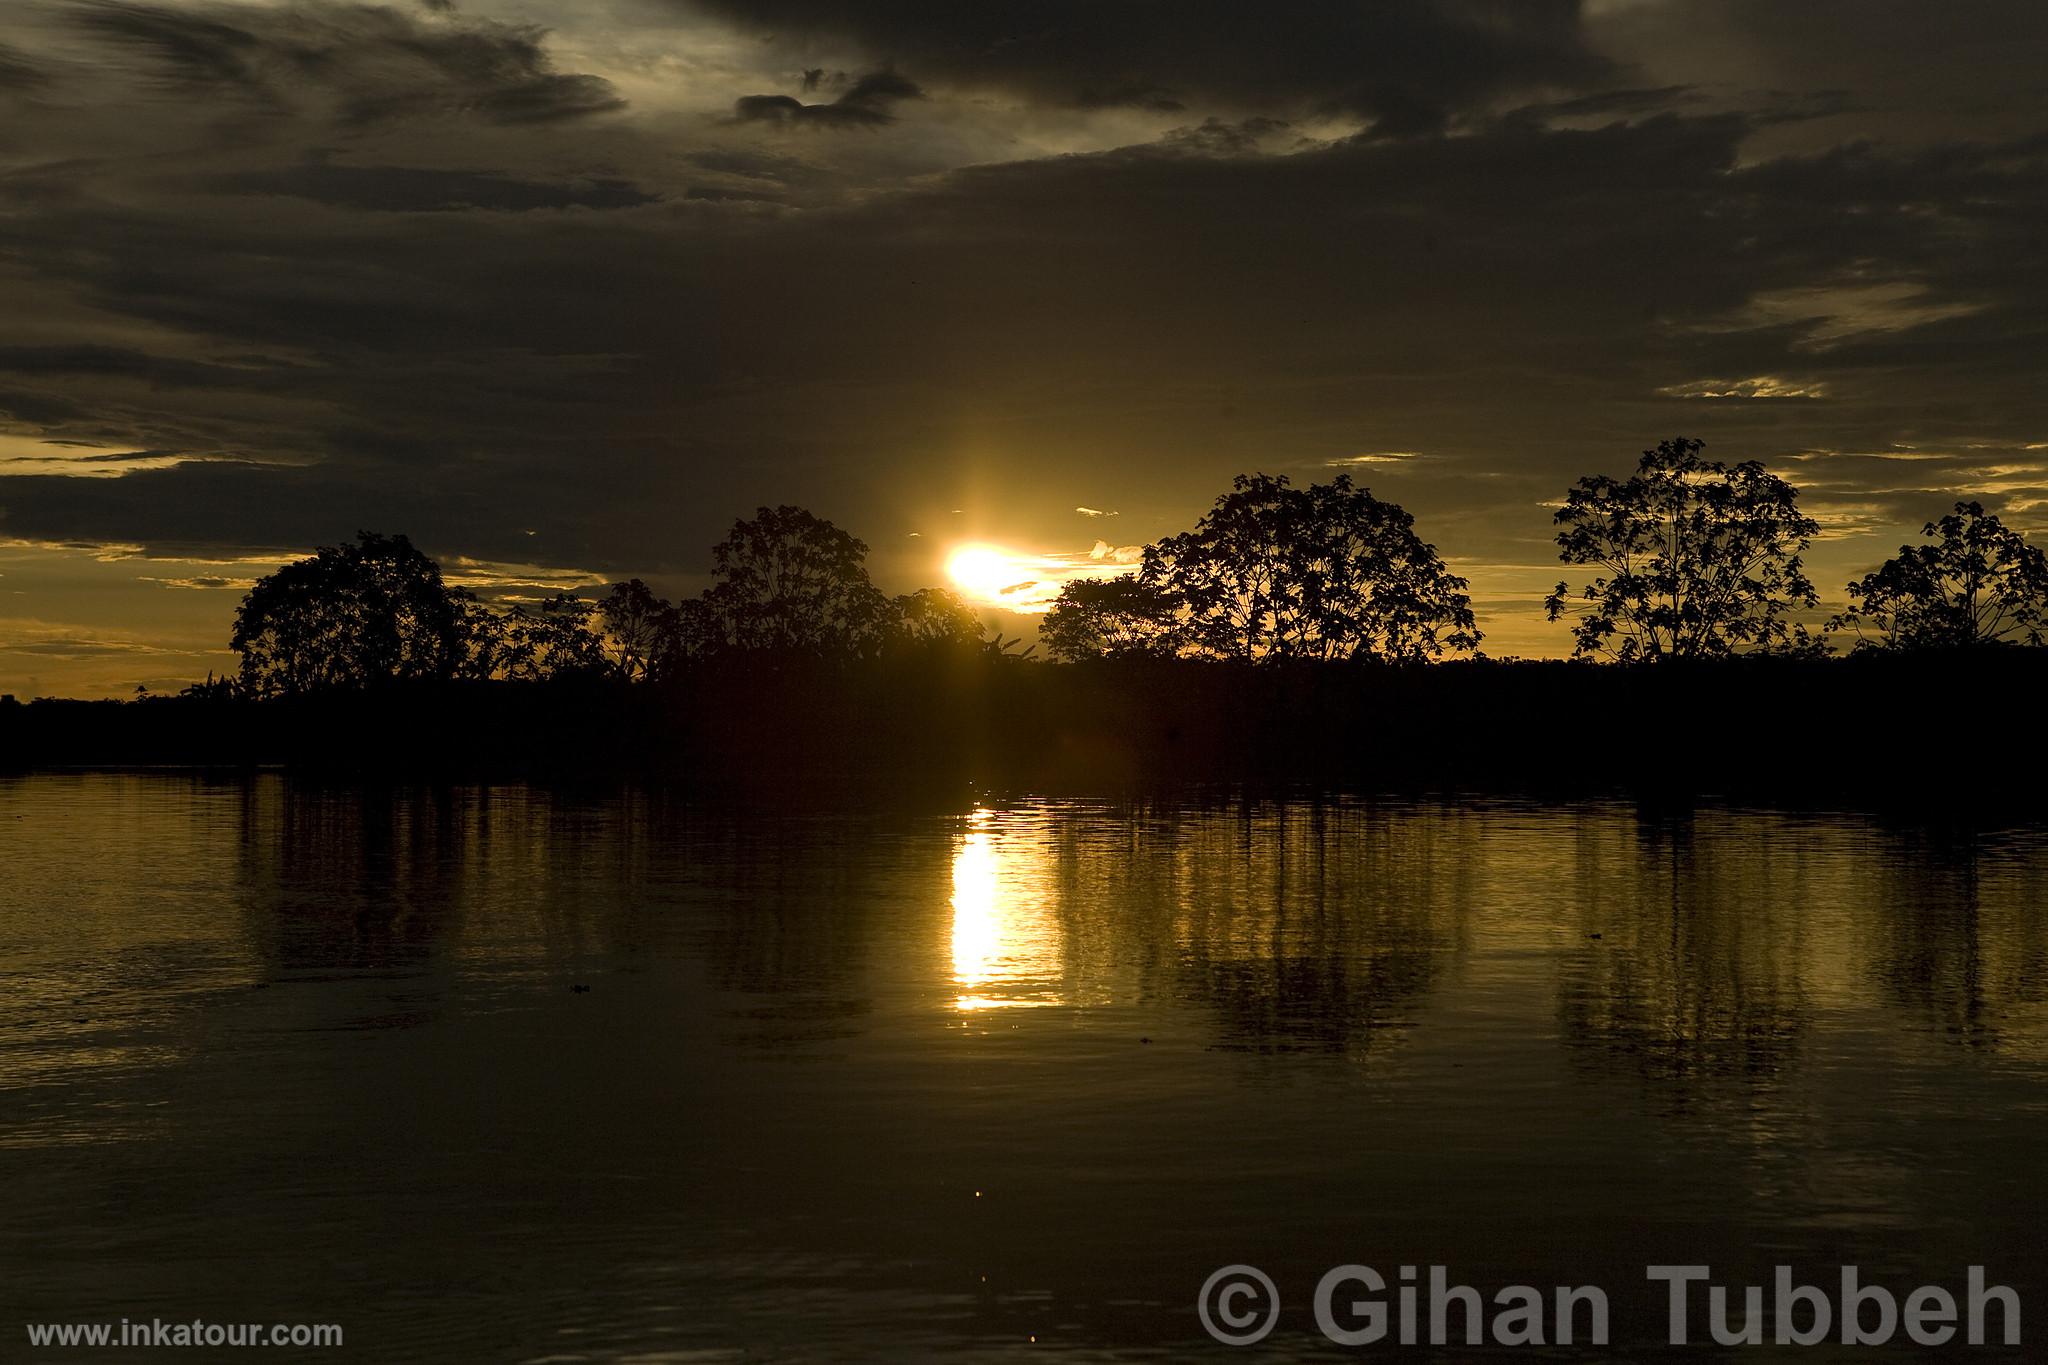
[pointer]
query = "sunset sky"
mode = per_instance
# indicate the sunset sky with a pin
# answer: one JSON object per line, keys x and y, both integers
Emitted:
{"x": 562, "y": 289}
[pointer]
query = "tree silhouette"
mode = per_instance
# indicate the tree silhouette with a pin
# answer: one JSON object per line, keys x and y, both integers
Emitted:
{"x": 792, "y": 582}
{"x": 352, "y": 616}
{"x": 638, "y": 632}
{"x": 553, "y": 640}
{"x": 935, "y": 618}
{"x": 1696, "y": 560}
{"x": 1108, "y": 618}
{"x": 1323, "y": 572}
{"x": 699, "y": 633}
{"x": 1981, "y": 584}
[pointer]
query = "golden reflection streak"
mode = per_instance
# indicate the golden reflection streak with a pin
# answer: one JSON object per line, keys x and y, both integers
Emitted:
{"x": 1006, "y": 944}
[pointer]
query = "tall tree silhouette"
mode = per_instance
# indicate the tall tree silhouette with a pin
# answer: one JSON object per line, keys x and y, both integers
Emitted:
{"x": 1981, "y": 583}
{"x": 352, "y": 616}
{"x": 1323, "y": 572}
{"x": 639, "y": 632}
{"x": 1109, "y": 618}
{"x": 792, "y": 582}
{"x": 1696, "y": 560}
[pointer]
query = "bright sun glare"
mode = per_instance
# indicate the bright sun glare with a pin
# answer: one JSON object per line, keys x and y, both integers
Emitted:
{"x": 982, "y": 572}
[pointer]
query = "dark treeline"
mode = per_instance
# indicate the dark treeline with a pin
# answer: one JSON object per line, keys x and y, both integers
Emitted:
{"x": 790, "y": 587}
{"x": 1885, "y": 728}
{"x": 1688, "y": 559}
{"x": 1294, "y": 634}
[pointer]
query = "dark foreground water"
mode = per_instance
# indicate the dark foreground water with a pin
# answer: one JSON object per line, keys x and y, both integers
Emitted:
{"x": 1000, "y": 1080}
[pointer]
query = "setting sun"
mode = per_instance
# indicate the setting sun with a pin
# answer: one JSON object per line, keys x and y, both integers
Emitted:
{"x": 991, "y": 575}
{"x": 1022, "y": 581}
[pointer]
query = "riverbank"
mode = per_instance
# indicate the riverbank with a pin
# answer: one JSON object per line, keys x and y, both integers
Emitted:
{"x": 1919, "y": 729}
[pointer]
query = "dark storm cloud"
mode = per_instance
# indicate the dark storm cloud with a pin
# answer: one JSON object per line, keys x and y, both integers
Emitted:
{"x": 1948, "y": 52}
{"x": 1519, "y": 300}
{"x": 869, "y": 102}
{"x": 544, "y": 98}
{"x": 1896, "y": 69}
{"x": 713, "y": 194}
{"x": 17, "y": 71}
{"x": 111, "y": 361}
{"x": 376, "y": 63}
{"x": 755, "y": 165}
{"x": 1216, "y": 136}
{"x": 124, "y": 456}
{"x": 411, "y": 189}
{"x": 183, "y": 47}
{"x": 1380, "y": 59}
{"x": 354, "y": 338}
{"x": 1153, "y": 98}
{"x": 1619, "y": 103}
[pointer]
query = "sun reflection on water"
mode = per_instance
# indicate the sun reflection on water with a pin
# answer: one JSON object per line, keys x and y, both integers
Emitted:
{"x": 1006, "y": 941}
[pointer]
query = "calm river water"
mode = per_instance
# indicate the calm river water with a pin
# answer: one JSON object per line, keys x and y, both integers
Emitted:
{"x": 499, "y": 1074}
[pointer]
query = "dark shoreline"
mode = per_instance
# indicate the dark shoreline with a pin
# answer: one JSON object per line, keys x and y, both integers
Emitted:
{"x": 1926, "y": 731}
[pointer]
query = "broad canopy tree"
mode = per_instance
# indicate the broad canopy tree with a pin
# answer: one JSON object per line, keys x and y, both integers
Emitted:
{"x": 1276, "y": 572}
{"x": 354, "y": 616}
{"x": 1980, "y": 583}
{"x": 790, "y": 582}
{"x": 1108, "y": 618}
{"x": 1694, "y": 559}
